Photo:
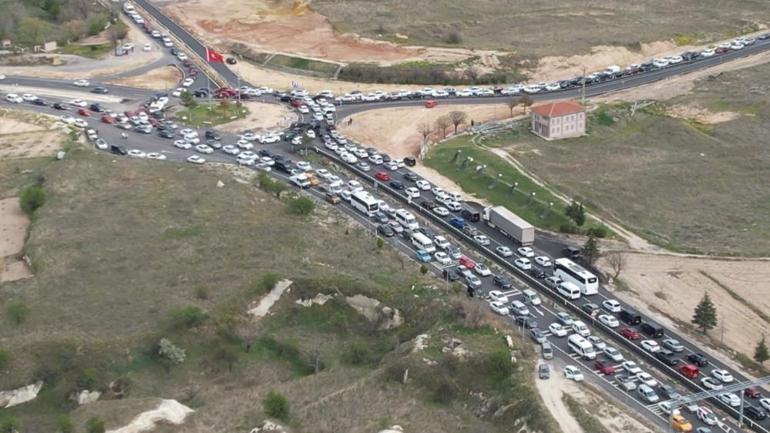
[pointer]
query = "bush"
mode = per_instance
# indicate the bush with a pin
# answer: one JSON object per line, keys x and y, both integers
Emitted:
{"x": 17, "y": 312}
{"x": 301, "y": 206}
{"x": 202, "y": 293}
{"x": 95, "y": 425}
{"x": 444, "y": 391}
{"x": 454, "y": 37}
{"x": 357, "y": 353}
{"x": 188, "y": 317}
{"x": 265, "y": 284}
{"x": 64, "y": 424}
{"x": 32, "y": 198}
{"x": 598, "y": 232}
{"x": 569, "y": 227}
{"x": 497, "y": 365}
{"x": 276, "y": 406}
{"x": 3, "y": 359}
{"x": 9, "y": 424}
{"x": 88, "y": 379}
{"x": 170, "y": 352}
{"x": 96, "y": 24}
{"x": 423, "y": 269}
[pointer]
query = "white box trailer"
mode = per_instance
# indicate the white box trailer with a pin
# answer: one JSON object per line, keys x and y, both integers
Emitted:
{"x": 510, "y": 224}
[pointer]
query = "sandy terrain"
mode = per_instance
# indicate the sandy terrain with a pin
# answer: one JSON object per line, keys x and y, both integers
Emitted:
{"x": 20, "y": 139}
{"x": 291, "y": 27}
{"x": 551, "y": 392}
{"x": 165, "y": 78}
{"x": 674, "y": 285}
{"x": 13, "y": 232}
{"x": 395, "y": 130}
{"x": 74, "y": 67}
{"x": 701, "y": 114}
{"x": 261, "y": 116}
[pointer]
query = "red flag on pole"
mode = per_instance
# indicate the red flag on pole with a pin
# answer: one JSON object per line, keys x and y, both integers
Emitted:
{"x": 213, "y": 56}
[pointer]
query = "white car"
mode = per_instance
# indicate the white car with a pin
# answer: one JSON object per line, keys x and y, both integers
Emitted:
{"x": 438, "y": 191}
{"x": 80, "y": 123}
{"x": 310, "y": 133}
{"x": 730, "y": 399}
{"x": 650, "y": 345}
{"x": 711, "y": 383}
{"x": 243, "y": 144}
{"x": 79, "y": 103}
{"x": 147, "y": 47}
{"x": 136, "y": 153}
{"x": 203, "y": 148}
{"x": 442, "y": 258}
{"x": 230, "y": 149}
{"x": 482, "y": 240}
{"x": 543, "y": 261}
{"x": 498, "y": 296}
{"x": 482, "y": 270}
{"x": 557, "y": 330}
{"x": 188, "y": 82}
{"x": 723, "y": 376}
{"x": 611, "y": 305}
{"x": 526, "y": 252}
{"x": 453, "y": 206}
{"x": 66, "y": 118}
{"x": 177, "y": 92}
{"x": 613, "y": 354}
{"x": 265, "y": 160}
{"x": 14, "y": 98}
{"x": 441, "y": 211}
{"x": 101, "y": 144}
{"x": 304, "y": 166}
{"x": 249, "y": 136}
{"x": 354, "y": 185}
{"x": 765, "y": 402}
{"x": 441, "y": 242}
{"x": 631, "y": 367}
{"x": 28, "y": 97}
{"x": 609, "y": 320}
{"x": 572, "y": 372}
{"x": 597, "y": 342}
{"x": 181, "y": 144}
{"x": 412, "y": 192}
{"x": 499, "y": 308}
{"x": 244, "y": 161}
{"x": 504, "y": 251}
{"x": 156, "y": 155}
{"x": 196, "y": 159}
{"x": 523, "y": 264}
{"x": 646, "y": 379}
{"x": 182, "y": 56}
{"x": 423, "y": 185}
{"x": 706, "y": 415}
{"x": 247, "y": 154}
{"x": 81, "y": 83}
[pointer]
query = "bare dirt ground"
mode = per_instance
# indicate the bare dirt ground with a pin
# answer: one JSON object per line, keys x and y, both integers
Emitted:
{"x": 395, "y": 130}
{"x": 22, "y": 138}
{"x": 165, "y": 78}
{"x": 75, "y": 67}
{"x": 13, "y": 232}
{"x": 701, "y": 114}
{"x": 673, "y": 285}
{"x": 262, "y": 116}
{"x": 551, "y": 391}
{"x": 291, "y": 27}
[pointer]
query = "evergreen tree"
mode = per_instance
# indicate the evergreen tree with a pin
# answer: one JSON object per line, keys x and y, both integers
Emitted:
{"x": 705, "y": 314}
{"x": 761, "y": 353}
{"x": 590, "y": 250}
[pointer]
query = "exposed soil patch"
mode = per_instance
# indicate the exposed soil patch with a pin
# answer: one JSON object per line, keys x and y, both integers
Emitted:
{"x": 262, "y": 116}
{"x": 162, "y": 78}
{"x": 700, "y": 114}
{"x": 13, "y": 232}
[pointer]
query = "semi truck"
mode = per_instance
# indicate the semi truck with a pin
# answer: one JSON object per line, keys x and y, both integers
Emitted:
{"x": 510, "y": 224}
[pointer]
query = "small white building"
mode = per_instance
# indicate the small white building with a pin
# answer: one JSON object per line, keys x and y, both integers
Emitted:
{"x": 556, "y": 120}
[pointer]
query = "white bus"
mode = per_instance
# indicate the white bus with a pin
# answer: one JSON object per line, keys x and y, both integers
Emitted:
{"x": 570, "y": 271}
{"x": 581, "y": 346}
{"x": 406, "y": 219}
{"x": 422, "y": 242}
{"x": 364, "y": 202}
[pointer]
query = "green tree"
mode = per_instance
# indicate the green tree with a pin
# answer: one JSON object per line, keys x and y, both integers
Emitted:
{"x": 380, "y": 243}
{"x": 187, "y": 98}
{"x": 4, "y": 359}
{"x": 423, "y": 269}
{"x": 576, "y": 212}
{"x": 188, "y": 317}
{"x": 64, "y": 424}
{"x": 226, "y": 355}
{"x": 9, "y": 424}
{"x": 276, "y": 406}
{"x": 761, "y": 353}
{"x": 32, "y": 198}
{"x": 33, "y": 31}
{"x": 590, "y": 250}
{"x": 705, "y": 314}
{"x": 301, "y": 206}
{"x": 95, "y": 425}
{"x": 17, "y": 312}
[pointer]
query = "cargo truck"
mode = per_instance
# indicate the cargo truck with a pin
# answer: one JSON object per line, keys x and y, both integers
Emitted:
{"x": 510, "y": 224}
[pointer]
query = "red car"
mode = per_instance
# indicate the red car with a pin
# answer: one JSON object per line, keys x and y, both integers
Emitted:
{"x": 108, "y": 119}
{"x": 467, "y": 263}
{"x": 630, "y": 333}
{"x": 752, "y": 392}
{"x": 690, "y": 370}
{"x": 604, "y": 367}
{"x": 84, "y": 112}
{"x": 383, "y": 176}
{"x": 430, "y": 103}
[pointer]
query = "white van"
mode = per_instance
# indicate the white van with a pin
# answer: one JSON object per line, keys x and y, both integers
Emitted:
{"x": 568, "y": 290}
{"x": 422, "y": 242}
{"x": 532, "y": 297}
{"x": 581, "y": 346}
{"x": 455, "y": 196}
{"x": 580, "y": 328}
{"x": 406, "y": 219}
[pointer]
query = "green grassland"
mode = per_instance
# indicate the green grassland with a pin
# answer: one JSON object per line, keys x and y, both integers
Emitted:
{"x": 128, "y": 251}
{"x": 543, "y": 27}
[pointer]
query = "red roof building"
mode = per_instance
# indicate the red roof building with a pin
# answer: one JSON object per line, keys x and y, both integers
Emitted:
{"x": 556, "y": 120}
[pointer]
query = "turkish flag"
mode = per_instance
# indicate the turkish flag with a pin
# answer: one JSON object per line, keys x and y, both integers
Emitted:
{"x": 213, "y": 56}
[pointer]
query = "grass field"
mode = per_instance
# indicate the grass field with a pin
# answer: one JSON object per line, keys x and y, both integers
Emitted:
{"x": 683, "y": 183}
{"x": 120, "y": 246}
{"x": 90, "y": 51}
{"x": 214, "y": 114}
{"x": 542, "y": 27}
{"x": 323, "y": 69}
